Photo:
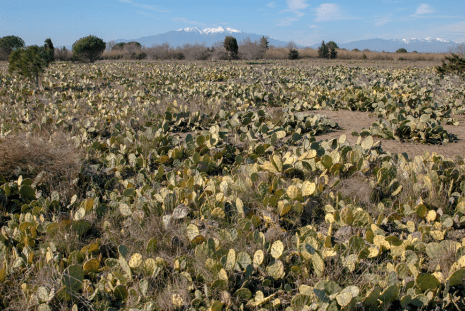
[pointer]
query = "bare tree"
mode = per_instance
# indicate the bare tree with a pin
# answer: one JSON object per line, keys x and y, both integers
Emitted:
{"x": 252, "y": 50}
{"x": 110, "y": 46}
{"x": 291, "y": 45}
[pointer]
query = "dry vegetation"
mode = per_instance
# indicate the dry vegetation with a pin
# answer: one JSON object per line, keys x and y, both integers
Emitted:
{"x": 250, "y": 51}
{"x": 202, "y": 186}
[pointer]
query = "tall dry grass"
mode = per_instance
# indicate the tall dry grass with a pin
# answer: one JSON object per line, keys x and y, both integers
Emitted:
{"x": 28, "y": 155}
{"x": 282, "y": 53}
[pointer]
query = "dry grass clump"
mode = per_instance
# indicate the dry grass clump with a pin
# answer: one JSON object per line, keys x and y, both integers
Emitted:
{"x": 28, "y": 155}
{"x": 357, "y": 188}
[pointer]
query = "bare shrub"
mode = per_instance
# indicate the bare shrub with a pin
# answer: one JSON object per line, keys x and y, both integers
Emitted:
{"x": 251, "y": 50}
{"x": 113, "y": 55}
{"x": 110, "y": 45}
{"x": 63, "y": 54}
{"x": 219, "y": 52}
{"x": 459, "y": 49}
{"x": 194, "y": 51}
{"x": 308, "y": 53}
{"x": 277, "y": 53}
{"x": 163, "y": 51}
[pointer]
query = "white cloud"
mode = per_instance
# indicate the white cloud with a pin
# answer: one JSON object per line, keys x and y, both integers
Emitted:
{"x": 287, "y": 21}
{"x": 144, "y": 13}
{"x": 329, "y": 12}
{"x": 383, "y": 20}
{"x": 144, "y": 6}
{"x": 295, "y": 7}
{"x": 313, "y": 26}
{"x": 271, "y": 5}
{"x": 424, "y": 9}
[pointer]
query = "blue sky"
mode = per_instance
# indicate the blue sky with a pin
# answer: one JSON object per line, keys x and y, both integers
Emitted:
{"x": 303, "y": 21}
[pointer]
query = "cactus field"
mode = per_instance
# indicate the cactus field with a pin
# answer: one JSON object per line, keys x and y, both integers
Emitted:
{"x": 232, "y": 185}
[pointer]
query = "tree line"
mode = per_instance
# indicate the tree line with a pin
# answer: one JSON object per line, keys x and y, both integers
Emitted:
{"x": 31, "y": 61}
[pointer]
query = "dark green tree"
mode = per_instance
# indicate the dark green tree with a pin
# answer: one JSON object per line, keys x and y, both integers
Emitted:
{"x": 293, "y": 54}
{"x": 456, "y": 65}
{"x": 332, "y": 44}
{"x": 332, "y": 53}
{"x": 264, "y": 43}
{"x": 29, "y": 62}
{"x": 48, "y": 51}
{"x": 118, "y": 46}
{"x": 323, "y": 51}
{"x": 401, "y": 50}
{"x": 88, "y": 49}
{"x": 230, "y": 44}
{"x": 9, "y": 44}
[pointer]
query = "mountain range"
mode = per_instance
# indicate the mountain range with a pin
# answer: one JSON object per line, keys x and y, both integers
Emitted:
{"x": 210, "y": 36}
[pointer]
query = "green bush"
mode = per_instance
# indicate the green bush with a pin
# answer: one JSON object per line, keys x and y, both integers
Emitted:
{"x": 31, "y": 61}
{"x": 332, "y": 44}
{"x": 328, "y": 50}
{"x": 456, "y": 65}
{"x": 293, "y": 54}
{"x": 401, "y": 50}
{"x": 230, "y": 44}
{"x": 264, "y": 43}
{"x": 118, "y": 46}
{"x": 332, "y": 53}
{"x": 88, "y": 49}
{"x": 9, "y": 44}
{"x": 48, "y": 51}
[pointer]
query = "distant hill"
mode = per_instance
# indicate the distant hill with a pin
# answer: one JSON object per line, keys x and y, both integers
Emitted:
{"x": 427, "y": 45}
{"x": 208, "y": 36}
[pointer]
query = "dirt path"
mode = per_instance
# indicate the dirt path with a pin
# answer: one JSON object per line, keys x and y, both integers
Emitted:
{"x": 355, "y": 121}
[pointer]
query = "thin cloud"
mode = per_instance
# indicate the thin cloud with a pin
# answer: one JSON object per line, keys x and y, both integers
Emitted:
{"x": 144, "y": 13}
{"x": 294, "y": 7}
{"x": 424, "y": 9}
{"x": 287, "y": 21}
{"x": 383, "y": 20}
{"x": 144, "y": 6}
{"x": 187, "y": 21}
{"x": 329, "y": 12}
{"x": 271, "y": 5}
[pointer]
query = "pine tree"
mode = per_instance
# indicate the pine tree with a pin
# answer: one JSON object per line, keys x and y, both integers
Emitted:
{"x": 323, "y": 51}
{"x": 230, "y": 44}
{"x": 264, "y": 43}
{"x": 332, "y": 53}
{"x": 31, "y": 61}
{"x": 88, "y": 49}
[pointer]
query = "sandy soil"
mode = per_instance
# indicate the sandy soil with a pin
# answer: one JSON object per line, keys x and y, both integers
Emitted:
{"x": 355, "y": 121}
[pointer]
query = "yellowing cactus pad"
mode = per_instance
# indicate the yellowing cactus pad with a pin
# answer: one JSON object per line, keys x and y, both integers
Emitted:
{"x": 135, "y": 261}
{"x": 277, "y": 249}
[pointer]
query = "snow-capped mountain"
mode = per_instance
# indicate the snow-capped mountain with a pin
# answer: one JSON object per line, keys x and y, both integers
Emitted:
{"x": 209, "y": 36}
{"x": 425, "y": 45}
{"x": 210, "y": 31}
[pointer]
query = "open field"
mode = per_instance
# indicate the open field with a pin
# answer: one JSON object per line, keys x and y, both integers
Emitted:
{"x": 245, "y": 185}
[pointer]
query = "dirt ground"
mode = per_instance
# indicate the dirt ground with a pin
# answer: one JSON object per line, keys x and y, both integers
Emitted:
{"x": 355, "y": 121}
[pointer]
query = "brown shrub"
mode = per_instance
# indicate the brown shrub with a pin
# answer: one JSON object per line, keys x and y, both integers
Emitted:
{"x": 63, "y": 54}
{"x": 28, "y": 155}
{"x": 251, "y": 50}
